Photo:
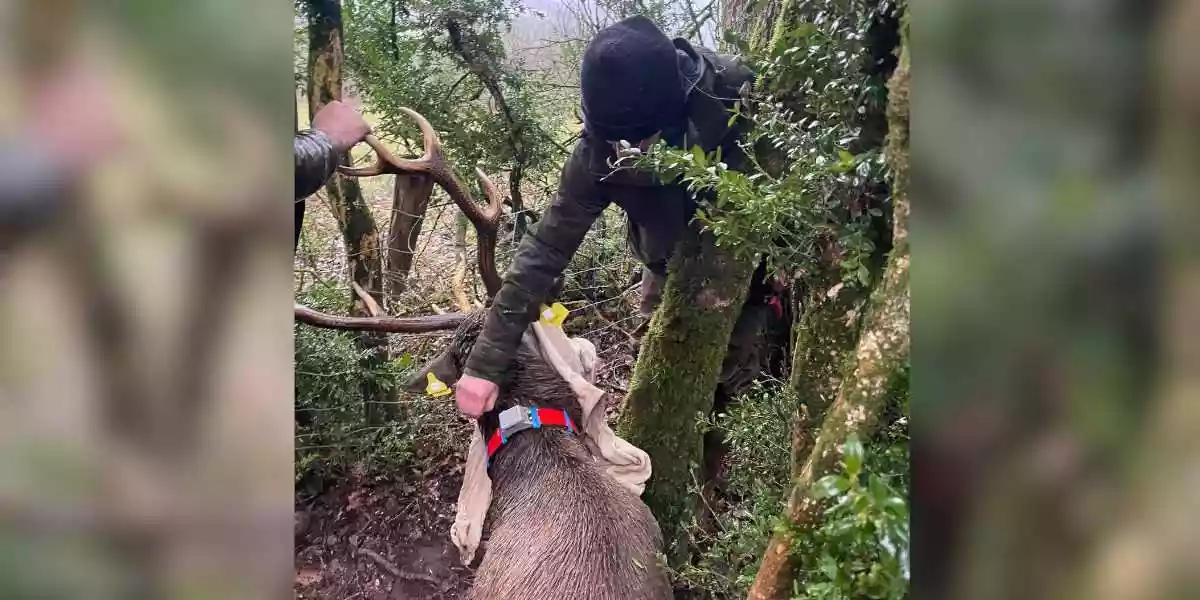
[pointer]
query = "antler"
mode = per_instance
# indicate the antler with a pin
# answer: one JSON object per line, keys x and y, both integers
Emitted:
{"x": 434, "y": 164}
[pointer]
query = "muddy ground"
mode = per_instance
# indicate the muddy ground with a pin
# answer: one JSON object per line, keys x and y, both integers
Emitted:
{"x": 381, "y": 540}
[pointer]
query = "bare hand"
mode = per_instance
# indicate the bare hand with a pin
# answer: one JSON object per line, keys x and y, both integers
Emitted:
{"x": 475, "y": 396}
{"x": 344, "y": 126}
{"x": 74, "y": 117}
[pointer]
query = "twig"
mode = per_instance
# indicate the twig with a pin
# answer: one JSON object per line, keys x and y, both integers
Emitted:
{"x": 372, "y": 306}
{"x": 455, "y": 86}
{"x": 394, "y": 570}
{"x": 609, "y": 324}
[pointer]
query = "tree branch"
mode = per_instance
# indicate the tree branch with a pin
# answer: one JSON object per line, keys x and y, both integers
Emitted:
{"x": 425, "y": 324}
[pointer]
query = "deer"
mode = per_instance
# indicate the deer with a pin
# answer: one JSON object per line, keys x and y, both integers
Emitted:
{"x": 558, "y": 527}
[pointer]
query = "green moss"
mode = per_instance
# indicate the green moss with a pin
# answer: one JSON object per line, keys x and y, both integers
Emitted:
{"x": 883, "y": 349}
{"x": 825, "y": 335}
{"x": 676, "y": 375}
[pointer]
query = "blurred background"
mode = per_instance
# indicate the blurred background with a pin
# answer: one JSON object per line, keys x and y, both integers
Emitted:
{"x": 146, "y": 428}
{"x": 145, "y": 343}
{"x": 1055, "y": 412}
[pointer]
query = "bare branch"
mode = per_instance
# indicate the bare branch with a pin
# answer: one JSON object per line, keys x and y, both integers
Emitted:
{"x": 372, "y": 306}
{"x": 425, "y": 324}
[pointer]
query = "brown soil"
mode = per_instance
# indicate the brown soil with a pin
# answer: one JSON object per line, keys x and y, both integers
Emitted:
{"x": 381, "y": 541}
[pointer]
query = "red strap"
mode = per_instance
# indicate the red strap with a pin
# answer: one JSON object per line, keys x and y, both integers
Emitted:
{"x": 548, "y": 416}
{"x": 545, "y": 416}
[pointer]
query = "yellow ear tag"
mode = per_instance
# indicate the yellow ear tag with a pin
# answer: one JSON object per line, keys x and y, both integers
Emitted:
{"x": 435, "y": 388}
{"x": 554, "y": 314}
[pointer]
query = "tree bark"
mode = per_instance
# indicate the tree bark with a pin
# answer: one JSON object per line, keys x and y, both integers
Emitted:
{"x": 409, "y": 202}
{"x": 881, "y": 353}
{"x": 824, "y": 334}
{"x": 676, "y": 375}
{"x": 325, "y": 59}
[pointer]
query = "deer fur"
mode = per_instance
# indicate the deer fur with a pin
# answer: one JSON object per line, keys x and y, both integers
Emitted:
{"x": 559, "y": 527}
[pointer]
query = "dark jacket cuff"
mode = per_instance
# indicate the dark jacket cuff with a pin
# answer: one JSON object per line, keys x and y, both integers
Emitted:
{"x": 316, "y": 161}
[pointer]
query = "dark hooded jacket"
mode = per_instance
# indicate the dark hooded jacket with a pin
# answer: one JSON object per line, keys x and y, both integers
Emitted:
{"x": 658, "y": 212}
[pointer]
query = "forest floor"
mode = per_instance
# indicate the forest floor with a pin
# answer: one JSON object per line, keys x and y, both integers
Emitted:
{"x": 381, "y": 540}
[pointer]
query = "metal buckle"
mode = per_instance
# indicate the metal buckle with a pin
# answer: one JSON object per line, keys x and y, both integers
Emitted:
{"x": 515, "y": 420}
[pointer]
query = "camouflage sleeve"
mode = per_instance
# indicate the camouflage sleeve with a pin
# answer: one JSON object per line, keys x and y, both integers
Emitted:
{"x": 540, "y": 259}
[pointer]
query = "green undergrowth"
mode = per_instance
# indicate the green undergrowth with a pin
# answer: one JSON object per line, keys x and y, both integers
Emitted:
{"x": 861, "y": 548}
{"x": 333, "y": 435}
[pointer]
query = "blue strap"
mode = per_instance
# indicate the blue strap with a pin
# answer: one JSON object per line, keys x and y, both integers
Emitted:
{"x": 533, "y": 417}
{"x": 570, "y": 425}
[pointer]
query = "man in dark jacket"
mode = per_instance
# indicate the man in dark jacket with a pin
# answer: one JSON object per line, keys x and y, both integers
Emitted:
{"x": 335, "y": 129}
{"x": 638, "y": 86}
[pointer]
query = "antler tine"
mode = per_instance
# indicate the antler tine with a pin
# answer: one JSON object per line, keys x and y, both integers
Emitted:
{"x": 385, "y": 162}
{"x": 433, "y": 163}
{"x": 495, "y": 199}
{"x": 487, "y": 234}
{"x": 429, "y": 137}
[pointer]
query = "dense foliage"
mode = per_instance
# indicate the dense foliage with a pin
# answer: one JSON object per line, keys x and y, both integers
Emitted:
{"x": 489, "y": 111}
{"x": 333, "y": 437}
{"x": 814, "y": 188}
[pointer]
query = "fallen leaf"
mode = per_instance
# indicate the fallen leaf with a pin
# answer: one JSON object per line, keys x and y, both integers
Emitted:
{"x": 308, "y": 576}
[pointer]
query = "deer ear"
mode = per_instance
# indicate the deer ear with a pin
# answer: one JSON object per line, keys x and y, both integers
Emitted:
{"x": 444, "y": 368}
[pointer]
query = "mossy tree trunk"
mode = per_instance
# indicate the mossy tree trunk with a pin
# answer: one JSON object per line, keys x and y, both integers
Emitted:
{"x": 824, "y": 335}
{"x": 881, "y": 354}
{"x": 676, "y": 376}
{"x": 325, "y": 59}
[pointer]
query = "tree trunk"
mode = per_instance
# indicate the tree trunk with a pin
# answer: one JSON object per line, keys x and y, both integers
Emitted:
{"x": 882, "y": 352}
{"x": 325, "y": 59}
{"x": 676, "y": 375}
{"x": 409, "y": 202}
{"x": 824, "y": 335}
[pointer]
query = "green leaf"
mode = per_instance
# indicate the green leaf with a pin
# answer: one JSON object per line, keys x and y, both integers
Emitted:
{"x": 864, "y": 275}
{"x": 405, "y": 361}
{"x": 879, "y": 490}
{"x": 829, "y": 566}
{"x": 830, "y": 486}
{"x": 852, "y": 454}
